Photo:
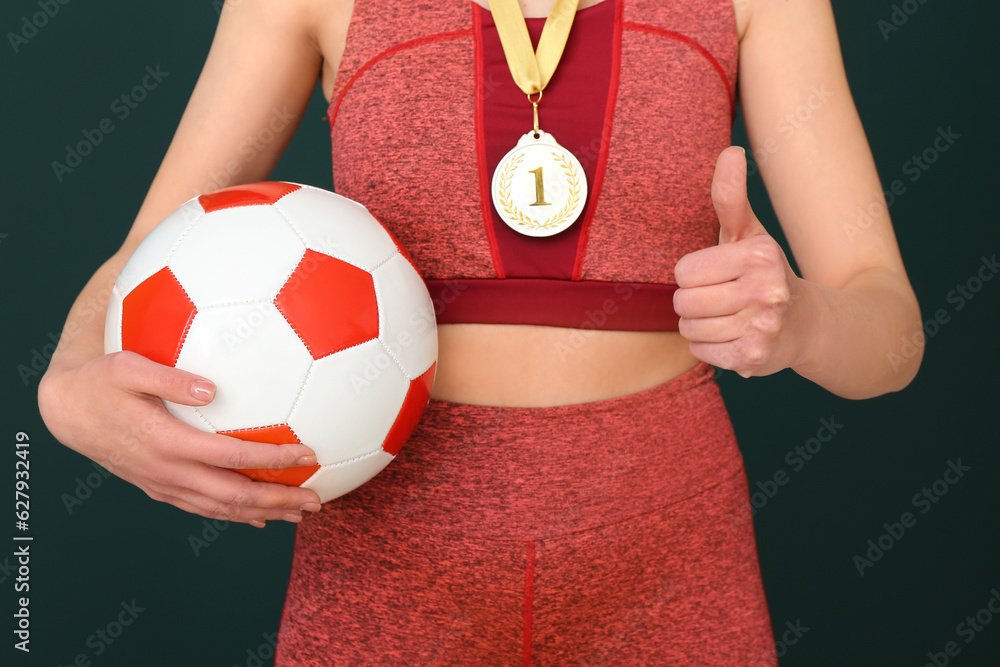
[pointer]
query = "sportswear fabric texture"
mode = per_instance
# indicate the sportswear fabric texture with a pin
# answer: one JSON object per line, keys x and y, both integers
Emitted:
{"x": 614, "y": 532}
{"x": 424, "y": 108}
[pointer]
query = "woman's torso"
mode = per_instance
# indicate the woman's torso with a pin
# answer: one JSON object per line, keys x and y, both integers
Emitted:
{"x": 522, "y": 365}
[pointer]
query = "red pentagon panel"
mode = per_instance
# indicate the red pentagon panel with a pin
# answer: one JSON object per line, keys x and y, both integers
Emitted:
{"x": 281, "y": 434}
{"x": 413, "y": 407}
{"x": 251, "y": 194}
{"x": 156, "y": 316}
{"x": 330, "y": 304}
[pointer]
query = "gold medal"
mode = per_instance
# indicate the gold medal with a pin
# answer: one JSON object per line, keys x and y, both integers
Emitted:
{"x": 539, "y": 187}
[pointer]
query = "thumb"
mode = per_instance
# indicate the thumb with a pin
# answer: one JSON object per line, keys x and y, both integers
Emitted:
{"x": 136, "y": 373}
{"x": 729, "y": 196}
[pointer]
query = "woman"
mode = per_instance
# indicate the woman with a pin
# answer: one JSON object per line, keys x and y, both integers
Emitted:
{"x": 574, "y": 492}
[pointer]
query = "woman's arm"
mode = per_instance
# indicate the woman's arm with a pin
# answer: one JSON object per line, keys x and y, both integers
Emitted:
{"x": 840, "y": 323}
{"x": 260, "y": 73}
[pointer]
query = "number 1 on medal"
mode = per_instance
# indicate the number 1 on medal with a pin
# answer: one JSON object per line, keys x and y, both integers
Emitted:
{"x": 539, "y": 188}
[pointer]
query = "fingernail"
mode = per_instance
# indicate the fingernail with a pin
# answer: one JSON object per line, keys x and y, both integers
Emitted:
{"x": 311, "y": 507}
{"x": 257, "y": 523}
{"x": 293, "y": 517}
{"x": 306, "y": 461}
{"x": 203, "y": 390}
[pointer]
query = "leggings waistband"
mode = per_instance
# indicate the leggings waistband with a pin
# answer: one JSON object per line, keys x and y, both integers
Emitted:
{"x": 532, "y": 473}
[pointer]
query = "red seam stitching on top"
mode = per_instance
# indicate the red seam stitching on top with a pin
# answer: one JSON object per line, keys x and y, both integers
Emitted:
{"x": 485, "y": 188}
{"x": 529, "y": 588}
{"x": 684, "y": 39}
{"x": 602, "y": 159}
{"x": 402, "y": 46}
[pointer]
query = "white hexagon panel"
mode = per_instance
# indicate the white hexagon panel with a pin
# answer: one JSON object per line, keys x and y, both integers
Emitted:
{"x": 304, "y": 311}
{"x": 262, "y": 358}
{"x": 407, "y": 315}
{"x": 236, "y": 253}
{"x": 356, "y": 241}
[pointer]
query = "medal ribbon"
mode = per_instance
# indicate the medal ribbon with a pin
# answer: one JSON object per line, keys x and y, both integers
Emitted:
{"x": 532, "y": 69}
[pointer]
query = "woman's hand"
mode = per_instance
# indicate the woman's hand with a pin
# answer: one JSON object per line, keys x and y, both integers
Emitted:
{"x": 736, "y": 300}
{"x": 109, "y": 409}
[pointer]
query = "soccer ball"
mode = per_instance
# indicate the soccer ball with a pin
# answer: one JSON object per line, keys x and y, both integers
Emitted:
{"x": 304, "y": 311}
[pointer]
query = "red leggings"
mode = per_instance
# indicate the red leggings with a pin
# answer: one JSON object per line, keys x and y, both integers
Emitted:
{"x": 616, "y": 532}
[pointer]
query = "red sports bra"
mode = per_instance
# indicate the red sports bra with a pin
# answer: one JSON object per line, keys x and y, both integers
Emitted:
{"x": 425, "y": 108}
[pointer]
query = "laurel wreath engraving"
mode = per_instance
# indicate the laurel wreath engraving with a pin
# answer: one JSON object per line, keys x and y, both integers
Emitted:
{"x": 514, "y": 213}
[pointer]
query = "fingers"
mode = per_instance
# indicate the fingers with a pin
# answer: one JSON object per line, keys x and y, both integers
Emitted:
{"x": 194, "y": 509}
{"x": 229, "y": 496}
{"x": 713, "y": 329}
{"x": 727, "y": 312}
{"x": 719, "y": 355}
{"x": 745, "y": 358}
{"x": 729, "y": 196}
{"x": 725, "y": 279}
{"x": 201, "y": 475}
{"x": 233, "y": 493}
{"x": 193, "y": 468}
{"x": 708, "y": 301}
{"x": 224, "y": 451}
{"x": 138, "y": 374}
{"x": 709, "y": 266}
{"x": 226, "y": 494}
{"x": 188, "y": 467}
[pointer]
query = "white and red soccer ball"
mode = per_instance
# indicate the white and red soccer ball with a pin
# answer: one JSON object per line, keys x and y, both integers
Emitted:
{"x": 303, "y": 310}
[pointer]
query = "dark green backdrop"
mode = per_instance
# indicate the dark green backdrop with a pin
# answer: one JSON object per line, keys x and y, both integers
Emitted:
{"x": 220, "y": 606}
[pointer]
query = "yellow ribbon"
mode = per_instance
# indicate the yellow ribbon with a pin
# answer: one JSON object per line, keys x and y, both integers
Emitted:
{"x": 532, "y": 69}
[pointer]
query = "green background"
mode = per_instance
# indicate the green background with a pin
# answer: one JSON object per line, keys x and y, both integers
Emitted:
{"x": 219, "y": 606}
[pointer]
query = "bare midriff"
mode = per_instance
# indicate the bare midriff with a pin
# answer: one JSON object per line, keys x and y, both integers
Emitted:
{"x": 533, "y": 366}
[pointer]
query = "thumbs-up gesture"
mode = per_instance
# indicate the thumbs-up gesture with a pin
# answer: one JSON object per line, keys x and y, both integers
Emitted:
{"x": 736, "y": 300}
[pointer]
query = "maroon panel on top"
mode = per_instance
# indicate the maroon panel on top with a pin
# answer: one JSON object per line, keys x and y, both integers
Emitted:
{"x": 576, "y": 304}
{"x": 572, "y": 110}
